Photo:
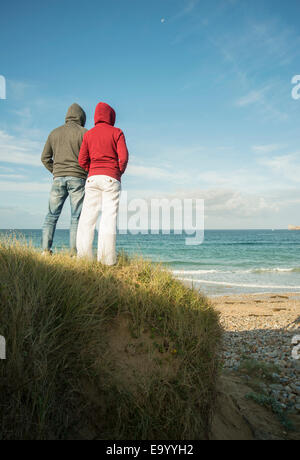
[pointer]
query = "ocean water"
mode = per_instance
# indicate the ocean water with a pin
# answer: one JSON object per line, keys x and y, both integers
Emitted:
{"x": 228, "y": 262}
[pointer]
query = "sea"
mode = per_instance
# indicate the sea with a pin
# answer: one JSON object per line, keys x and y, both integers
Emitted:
{"x": 227, "y": 262}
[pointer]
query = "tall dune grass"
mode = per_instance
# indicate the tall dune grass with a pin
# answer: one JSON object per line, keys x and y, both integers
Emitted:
{"x": 124, "y": 352}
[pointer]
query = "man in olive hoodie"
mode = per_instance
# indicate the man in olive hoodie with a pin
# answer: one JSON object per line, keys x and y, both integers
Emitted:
{"x": 60, "y": 157}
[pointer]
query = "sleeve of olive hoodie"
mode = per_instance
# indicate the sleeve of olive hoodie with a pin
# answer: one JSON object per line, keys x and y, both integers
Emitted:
{"x": 47, "y": 156}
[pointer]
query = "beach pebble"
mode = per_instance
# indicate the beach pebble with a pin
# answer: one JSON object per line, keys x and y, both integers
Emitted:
{"x": 276, "y": 387}
{"x": 267, "y": 339}
{"x": 296, "y": 389}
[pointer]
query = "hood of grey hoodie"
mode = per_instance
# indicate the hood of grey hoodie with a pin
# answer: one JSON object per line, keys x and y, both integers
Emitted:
{"x": 76, "y": 114}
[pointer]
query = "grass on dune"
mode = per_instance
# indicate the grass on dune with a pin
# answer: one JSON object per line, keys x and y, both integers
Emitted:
{"x": 124, "y": 352}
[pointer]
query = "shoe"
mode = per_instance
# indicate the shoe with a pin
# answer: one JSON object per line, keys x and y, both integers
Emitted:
{"x": 47, "y": 253}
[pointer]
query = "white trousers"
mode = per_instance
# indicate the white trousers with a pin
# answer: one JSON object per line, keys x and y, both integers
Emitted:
{"x": 101, "y": 193}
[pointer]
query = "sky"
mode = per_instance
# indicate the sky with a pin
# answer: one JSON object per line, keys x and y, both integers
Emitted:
{"x": 202, "y": 91}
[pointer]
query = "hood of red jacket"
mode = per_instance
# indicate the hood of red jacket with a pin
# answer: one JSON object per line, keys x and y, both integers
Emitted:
{"x": 105, "y": 114}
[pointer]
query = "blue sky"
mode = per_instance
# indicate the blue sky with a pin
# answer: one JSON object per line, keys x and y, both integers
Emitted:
{"x": 202, "y": 90}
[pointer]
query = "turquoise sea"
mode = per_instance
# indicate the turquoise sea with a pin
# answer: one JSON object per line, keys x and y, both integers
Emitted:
{"x": 228, "y": 262}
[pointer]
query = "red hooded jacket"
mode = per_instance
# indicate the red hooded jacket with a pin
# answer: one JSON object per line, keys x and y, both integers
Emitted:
{"x": 104, "y": 150}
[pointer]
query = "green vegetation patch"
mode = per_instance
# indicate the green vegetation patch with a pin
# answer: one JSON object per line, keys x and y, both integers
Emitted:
{"x": 124, "y": 352}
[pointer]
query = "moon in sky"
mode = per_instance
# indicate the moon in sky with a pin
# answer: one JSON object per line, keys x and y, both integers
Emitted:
{"x": 162, "y": 20}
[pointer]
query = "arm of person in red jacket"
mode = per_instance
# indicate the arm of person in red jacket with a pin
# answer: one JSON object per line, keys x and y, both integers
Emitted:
{"x": 84, "y": 156}
{"x": 122, "y": 153}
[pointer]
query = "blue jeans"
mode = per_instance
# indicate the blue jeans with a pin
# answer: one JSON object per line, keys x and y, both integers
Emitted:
{"x": 62, "y": 188}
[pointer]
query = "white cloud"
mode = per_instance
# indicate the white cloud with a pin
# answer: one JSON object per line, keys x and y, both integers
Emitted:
{"x": 251, "y": 98}
{"x": 18, "y": 89}
{"x": 225, "y": 204}
{"x": 4, "y": 169}
{"x": 266, "y": 148}
{"x": 29, "y": 187}
{"x": 24, "y": 113}
{"x": 217, "y": 178}
{"x": 186, "y": 11}
{"x": 287, "y": 166}
{"x": 245, "y": 180}
{"x": 267, "y": 108}
{"x": 12, "y": 176}
{"x": 278, "y": 45}
{"x": 276, "y": 39}
{"x": 151, "y": 172}
{"x": 19, "y": 151}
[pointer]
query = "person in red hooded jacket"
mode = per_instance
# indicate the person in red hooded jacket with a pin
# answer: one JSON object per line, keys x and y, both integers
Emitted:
{"x": 104, "y": 156}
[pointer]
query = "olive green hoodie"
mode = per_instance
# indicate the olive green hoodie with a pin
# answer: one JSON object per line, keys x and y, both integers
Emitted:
{"x": 60, "y": 155}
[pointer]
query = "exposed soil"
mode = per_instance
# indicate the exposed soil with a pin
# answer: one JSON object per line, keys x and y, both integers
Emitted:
{"x": 237, "y": 418}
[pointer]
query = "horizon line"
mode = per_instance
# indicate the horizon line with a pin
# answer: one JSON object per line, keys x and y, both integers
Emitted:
{"x": 172, "y": 230}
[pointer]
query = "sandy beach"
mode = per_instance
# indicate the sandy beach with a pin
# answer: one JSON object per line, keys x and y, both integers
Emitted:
{"x": 260, "y": 328}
